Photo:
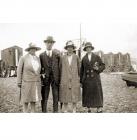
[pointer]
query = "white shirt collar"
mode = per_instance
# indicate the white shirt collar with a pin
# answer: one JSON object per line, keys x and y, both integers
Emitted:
{"x": 89, "y": 56}
{"x": 69, "y": 59}
{"x": 49, "y": 51}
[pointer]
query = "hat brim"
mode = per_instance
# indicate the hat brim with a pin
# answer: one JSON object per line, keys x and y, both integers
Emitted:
{"x": 89, "y": 47}
{"x": 37, "y": 48}
{"x": 74, "y": 47}
{"x": 53, "y": 41}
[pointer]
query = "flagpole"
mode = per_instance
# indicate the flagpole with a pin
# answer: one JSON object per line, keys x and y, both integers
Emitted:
{"x": 80, "y": 42}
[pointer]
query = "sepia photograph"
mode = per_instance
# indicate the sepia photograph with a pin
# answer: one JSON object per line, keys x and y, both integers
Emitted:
{"x": 68, "y": 69}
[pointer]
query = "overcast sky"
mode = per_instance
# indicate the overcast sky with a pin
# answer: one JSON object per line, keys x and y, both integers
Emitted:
{"x": 111, "y": 26}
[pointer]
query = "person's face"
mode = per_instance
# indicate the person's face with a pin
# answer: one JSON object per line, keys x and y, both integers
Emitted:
{"x": 70, "y": 49}
{"x": 49, "y": 45}
{"x": 88, "y": 49}
{"x": 32, "y": 51}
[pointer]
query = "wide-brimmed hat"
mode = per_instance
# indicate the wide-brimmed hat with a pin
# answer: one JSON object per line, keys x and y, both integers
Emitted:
{"x": 69, "y": 44}
{"x": 49, "y": 39}
{"x": 88, "y": 44}
{"x": 32, "y": 46}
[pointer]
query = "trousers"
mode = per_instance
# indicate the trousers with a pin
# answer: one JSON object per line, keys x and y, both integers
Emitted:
{"x": 45, "y": 94}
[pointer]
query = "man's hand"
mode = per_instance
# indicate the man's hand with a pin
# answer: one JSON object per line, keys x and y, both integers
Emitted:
{"x": 43, "y": 76}
{"x": 81, "y": 85}
{"x": 19, "y": 85}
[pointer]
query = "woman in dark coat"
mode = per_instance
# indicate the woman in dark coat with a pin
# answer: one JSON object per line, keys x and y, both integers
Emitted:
{"x": 91, "y": 67}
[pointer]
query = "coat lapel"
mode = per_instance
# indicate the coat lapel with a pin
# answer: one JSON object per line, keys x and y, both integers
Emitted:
{"x": 87, "y": 60}
{"x": 92, "y": 59}
{"x": 53, "y": 58}
{"x": 30, "y": 63}
{"x": 72, "y": 62}
{"x": 67, "y": 63}
{"x": 46, "y": 58}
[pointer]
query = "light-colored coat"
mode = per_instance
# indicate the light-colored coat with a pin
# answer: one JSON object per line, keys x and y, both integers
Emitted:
{"x": 29, "y": 79}
{"x": 70, "y": 80}
{"x": 25, "y": 70}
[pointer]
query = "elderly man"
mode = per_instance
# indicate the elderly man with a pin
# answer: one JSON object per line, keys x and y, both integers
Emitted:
{"x": 50, "y": 61}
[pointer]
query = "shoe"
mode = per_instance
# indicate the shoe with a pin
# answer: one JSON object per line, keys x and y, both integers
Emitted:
{"x": 74, "y": 111}
{"x": 89, "y": 111}
{"x": 44, "y": 111}
{"x": 100, "y": 111}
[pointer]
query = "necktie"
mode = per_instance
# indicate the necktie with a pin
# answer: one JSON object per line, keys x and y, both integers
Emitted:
{"x": 49, "y": 53}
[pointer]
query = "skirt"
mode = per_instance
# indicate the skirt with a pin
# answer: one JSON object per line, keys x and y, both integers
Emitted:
{"x": 31, "y": 92}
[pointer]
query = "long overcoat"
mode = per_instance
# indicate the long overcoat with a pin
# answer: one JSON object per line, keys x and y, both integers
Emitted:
{"x": 92, "y": 94}
{"x": 70, "y": 80}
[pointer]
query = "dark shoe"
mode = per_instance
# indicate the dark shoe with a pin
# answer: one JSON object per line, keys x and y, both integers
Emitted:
{"x": 61, "y": 105}
{"x": 55, "y": 111}
{"x": 44, "y": 111}
{"x": 89, "y": 111}
{"x": 100, "y": 111}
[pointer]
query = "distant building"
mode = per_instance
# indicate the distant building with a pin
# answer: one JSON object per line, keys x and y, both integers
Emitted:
{"x": 134, "y": 63}
{"x": 10, "y": 58}
{"x": 114, "y": 62}
{"x": 11, "y": 55}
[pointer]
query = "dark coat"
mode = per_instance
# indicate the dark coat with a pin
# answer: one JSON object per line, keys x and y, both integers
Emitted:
{"x": 92, "y": 94}
{"x": 55, "y": 66}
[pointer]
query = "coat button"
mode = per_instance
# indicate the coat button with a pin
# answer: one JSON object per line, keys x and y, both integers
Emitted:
{"x": 92, "y": 75}
{"x": 87, "y": 75}
{"x": 91, "y": 70}
{"x": 87, "y": 70}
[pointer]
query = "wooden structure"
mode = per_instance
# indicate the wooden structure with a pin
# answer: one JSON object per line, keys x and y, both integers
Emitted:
{"x": 9, "y": 61}
{"x": 116, "y": 62}
{"x": 130, "y": 78}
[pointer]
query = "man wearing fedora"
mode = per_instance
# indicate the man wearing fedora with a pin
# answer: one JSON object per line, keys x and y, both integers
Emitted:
{"x": 50, "y": 61}
{"x": 91, "y": 67}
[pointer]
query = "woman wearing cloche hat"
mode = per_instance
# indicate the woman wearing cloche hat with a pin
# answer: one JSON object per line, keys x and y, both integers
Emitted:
{"x": 70, "y": 78}
{"x": 91, "y": 67}
{"x": 28, "y": 78}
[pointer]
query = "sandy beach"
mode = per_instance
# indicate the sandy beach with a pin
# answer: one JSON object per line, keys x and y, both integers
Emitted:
{"x": 118, "y": 98}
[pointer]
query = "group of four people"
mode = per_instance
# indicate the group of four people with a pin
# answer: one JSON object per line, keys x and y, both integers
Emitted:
{"x": 65, "y": 74}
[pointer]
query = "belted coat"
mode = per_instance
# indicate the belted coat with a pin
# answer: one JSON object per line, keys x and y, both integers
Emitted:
{"x": 29, "y": 79}
{"x": 92, "y": 94}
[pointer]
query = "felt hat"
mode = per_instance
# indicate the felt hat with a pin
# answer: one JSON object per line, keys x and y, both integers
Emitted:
{"x": 32, "y": 46}
{"x": 49, "y": 39}
{"x": 69, "y": 44}
{"x": 88, "y": 44}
